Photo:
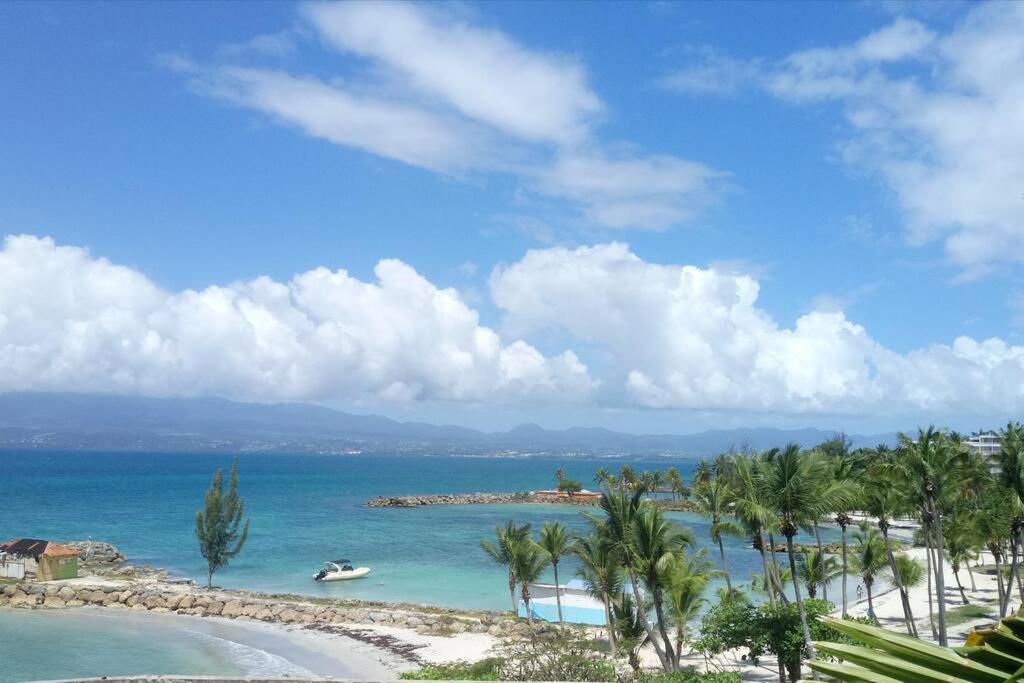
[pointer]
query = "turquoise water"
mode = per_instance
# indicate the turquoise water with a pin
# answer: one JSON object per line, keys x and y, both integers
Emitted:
{"x": 306, "y": 509}
{"x": 43, "y": 644}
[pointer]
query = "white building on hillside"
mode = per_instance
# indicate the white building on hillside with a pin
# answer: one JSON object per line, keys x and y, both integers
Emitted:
{"x": 986, "y": 443}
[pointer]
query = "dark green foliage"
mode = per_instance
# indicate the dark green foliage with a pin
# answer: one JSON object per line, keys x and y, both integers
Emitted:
{"x": 689, "y": 676}
{"x": 563, "y": 654}
{"x": 217, "y": 524}
{"x": 764, "y": 630}
{"x": 484, "y": 670}
{"x": 570, "y": 486}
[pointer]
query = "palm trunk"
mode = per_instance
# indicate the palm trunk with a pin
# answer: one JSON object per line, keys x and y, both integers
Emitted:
{"x": 824, "y": 583}
{"x": 799, "y": 598}
{"x": 960, "y": 586}
{"x": 940, "y": 578}
{"x": 660, "y": 614}
{"x": 612, "y": 644}
{"x": 558, "y": 594}
{"x": 871, "y": 603}
{"x": 843, "y": 528}
{"x": 665, "y": 664}
{"x": 512, "y": 593}
{"x": 776, "y": 577}
{"x": 525, "y": 591}
{"x": 908, "y": 614}
{"x": 725, "y": 566}
{"x": 1015, "y": 566}
{"x": 999, "y": 583}
{"x": 767, "y": 573}
{"x": 928, "y": 559}
{"x": 970, "y": 573}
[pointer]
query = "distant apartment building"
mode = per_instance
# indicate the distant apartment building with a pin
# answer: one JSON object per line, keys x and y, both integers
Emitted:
{"x": 986, "y": 443}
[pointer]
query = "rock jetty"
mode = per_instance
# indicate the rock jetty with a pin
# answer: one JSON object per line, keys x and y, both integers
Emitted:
{"x": 451, "y": 499}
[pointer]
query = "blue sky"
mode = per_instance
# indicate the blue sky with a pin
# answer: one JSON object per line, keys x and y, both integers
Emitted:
{"x": 858, "y": 163}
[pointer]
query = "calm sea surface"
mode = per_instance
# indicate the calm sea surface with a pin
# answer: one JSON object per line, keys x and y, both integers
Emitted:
{"x": 306, "y": 509}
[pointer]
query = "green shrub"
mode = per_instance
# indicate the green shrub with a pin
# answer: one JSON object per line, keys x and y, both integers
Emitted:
{"x": 695, "y": 677}
{"x": 484, "y": 670}
{"x": 563, "y": 654}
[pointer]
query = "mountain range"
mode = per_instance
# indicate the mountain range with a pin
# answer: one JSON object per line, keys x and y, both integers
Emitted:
{"x": 66, "y": 421}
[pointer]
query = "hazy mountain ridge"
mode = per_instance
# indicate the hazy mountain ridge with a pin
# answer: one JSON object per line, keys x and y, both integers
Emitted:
{"x": 95, "y": 422}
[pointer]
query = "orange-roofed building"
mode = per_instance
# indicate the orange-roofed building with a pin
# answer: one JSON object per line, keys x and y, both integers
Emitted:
{"x": 49, "y": 561}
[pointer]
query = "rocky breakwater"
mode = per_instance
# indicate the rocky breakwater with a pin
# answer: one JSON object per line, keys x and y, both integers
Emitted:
{"x": 155, "y": 596}
{"x": 449, "y": 499}
{"x": 98, "y": 557}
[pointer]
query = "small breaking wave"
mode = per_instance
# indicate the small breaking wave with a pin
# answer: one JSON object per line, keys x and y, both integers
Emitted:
{"x": 253, "y": 661}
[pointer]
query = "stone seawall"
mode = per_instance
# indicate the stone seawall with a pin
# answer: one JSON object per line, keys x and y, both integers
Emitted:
{"x": 159, "y": 597}
{"x": 502, "y": 498}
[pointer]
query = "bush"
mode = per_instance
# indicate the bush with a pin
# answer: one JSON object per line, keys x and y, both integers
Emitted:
{"x": 484, "y": 670}
{"x": 695, "y": 677}
{"x": 764, "y": 631}
{"x": 564, "y": 654}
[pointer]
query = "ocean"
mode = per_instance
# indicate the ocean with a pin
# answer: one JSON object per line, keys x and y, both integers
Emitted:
{"x": 306, "y": 509}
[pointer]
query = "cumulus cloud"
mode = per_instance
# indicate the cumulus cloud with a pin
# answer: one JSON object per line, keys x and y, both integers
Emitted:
{"x": 685, "y": 337}
{"x": 425, "y": 86}
{"x": 69, "y": 321}
{"x": 936, "y": 115}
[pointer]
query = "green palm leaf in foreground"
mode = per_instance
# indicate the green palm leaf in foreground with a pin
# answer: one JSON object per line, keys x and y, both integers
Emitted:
{"x": 990, "y": 656}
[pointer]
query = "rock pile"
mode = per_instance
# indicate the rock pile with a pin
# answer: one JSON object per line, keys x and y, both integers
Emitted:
{"x": 157, "y": 597}
{"x": 98, "y": 557}
{"x": 449, "y": 499}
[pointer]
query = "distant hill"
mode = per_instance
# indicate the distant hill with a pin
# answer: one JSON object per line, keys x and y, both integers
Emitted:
{"x": 99, "y": 422}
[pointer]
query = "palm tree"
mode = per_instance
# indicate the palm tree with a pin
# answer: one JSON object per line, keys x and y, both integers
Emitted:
{"x": 601, "y": 571}
{"x": 869, "y": 559}
{"x": 1010, "y": 461}
{"x": 674, "y": 481}
{"x": 844, "y": 469}
{"x": 554, "y": 539}
{"x": 656, "y": 480}
{"x": 801, "y": 490}
{"x": 559, "y": 475}
{"x": 630, "y": 630}
{"x": 932, "y": 465}
{"x": 715, "y": 500}
{"x": 959, "y": 547}
{"x": 509, "y": 539}
{"x": 816, "y": 569}
{"x": 530, "y": 560}
{"x": 884, "y": 501}
{"x": 911, "y": 572}
{"x": 688, "y": 580}
{"x": 752, "y": 510}
{"x": 702, "y": 474}
{"x": 601, "y": 476}
{"x": 627, "y": 477}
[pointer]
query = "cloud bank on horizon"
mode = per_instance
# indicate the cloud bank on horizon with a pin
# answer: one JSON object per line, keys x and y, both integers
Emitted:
{"x": 678, "y": 336}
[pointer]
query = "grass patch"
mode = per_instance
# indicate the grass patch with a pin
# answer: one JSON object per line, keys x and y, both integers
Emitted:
{"x": 965, "y": 613}
{"x": 484, "y": 670}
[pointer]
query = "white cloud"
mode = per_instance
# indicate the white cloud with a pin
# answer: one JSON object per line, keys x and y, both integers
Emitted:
{"x": 69, "y": 321}
{"x": 694, "y": 338}
{"x": 390, "y": 129}
{"x": 654, "y": 191}
{"x": 481, "y": 72}
{"x": 426, "y": 87}
{"x": 712, "y": 72}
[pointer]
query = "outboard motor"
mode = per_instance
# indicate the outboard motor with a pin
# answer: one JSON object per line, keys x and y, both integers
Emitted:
{"x": 320, "y": 575}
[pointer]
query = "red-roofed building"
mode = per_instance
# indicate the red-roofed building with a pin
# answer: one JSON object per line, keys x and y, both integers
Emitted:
{"x": 49, "y": 561}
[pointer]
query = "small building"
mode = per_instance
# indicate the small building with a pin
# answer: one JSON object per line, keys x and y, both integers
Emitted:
{"x": 47, "y": 560}
{"x": 579, "y": 495}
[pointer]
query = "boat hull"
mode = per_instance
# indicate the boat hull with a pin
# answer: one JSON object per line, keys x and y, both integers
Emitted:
{"x": 357, "y": 573}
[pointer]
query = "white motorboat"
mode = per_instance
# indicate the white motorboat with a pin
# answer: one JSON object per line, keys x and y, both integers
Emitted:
{"x": 340, "y": 570}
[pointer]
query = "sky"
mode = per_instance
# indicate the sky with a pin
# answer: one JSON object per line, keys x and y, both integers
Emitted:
{"x": 653, "y": 217}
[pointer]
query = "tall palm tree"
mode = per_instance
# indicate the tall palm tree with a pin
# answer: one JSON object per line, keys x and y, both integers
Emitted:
{"x": 845, "y": 468}
{"x": 509, "y": 539}
{"x": 702, "y": 474}
{"x": 627, "y": 477}
{"x": 559, "y": 475}
{"x": 601, "y": 571}
{"x": 753, "y": 511}
{"x": 911, "y": 572}
{"x": 689, "y": 577}
{"x": 715, "y": 500}
{"x": 816, "y": 569}
{"x": 801, "y": 490}
{"x": 1010, "y": 462}
{"x": 883, "y": 501}
{"x": 869, "y": 559}
{"x": 554, "y": 539}
{"x": 959, "y": 535}
{"x": 674, "y": 480}
{"x": 530, "y": 561}
{"x": 933, "y": 466}
{"x": 601, "y": 476}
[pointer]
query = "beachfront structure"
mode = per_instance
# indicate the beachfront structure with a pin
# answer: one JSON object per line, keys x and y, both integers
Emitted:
{"x": 46, "y": 560}
{"x": 554, "y": 493}
{"x": 578, "y": 606}
{"x": 985, "y": 443}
